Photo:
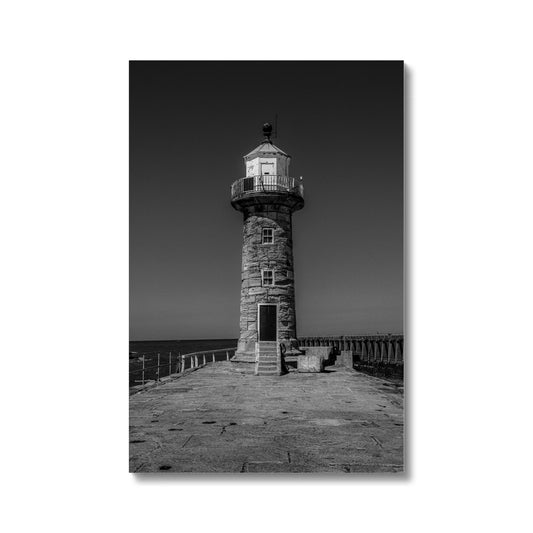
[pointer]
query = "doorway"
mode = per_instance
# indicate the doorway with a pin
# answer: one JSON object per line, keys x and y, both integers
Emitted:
{"x": 267, "y": 169}
{"x": 268, "y": 321}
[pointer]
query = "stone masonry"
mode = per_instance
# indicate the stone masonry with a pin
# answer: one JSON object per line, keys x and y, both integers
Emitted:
{"x": 277, "y": 257}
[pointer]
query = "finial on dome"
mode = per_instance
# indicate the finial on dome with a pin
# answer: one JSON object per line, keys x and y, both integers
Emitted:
{"x": 267, "y": 131}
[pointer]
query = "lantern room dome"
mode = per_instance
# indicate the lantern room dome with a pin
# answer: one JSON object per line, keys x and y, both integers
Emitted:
{"x": 266, "y": 148}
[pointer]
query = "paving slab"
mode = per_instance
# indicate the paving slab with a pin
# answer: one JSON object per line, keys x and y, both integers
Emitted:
{"x": 219, "y": 420}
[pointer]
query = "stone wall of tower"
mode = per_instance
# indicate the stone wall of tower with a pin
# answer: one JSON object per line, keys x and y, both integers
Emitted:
{"x": 257, "y": 257}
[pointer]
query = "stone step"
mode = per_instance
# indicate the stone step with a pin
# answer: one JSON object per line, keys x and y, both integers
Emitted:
{"x": 268, "y": 361}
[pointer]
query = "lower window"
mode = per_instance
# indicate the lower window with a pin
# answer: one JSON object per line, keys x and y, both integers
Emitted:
{"x": 268, "y": 277}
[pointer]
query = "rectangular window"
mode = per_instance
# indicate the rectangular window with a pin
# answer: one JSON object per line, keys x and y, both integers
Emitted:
{"x": 268, "y": 236}
{"x": 268, "y": 277}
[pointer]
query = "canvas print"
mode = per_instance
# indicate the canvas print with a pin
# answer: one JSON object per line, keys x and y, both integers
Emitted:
{"x": 266, "y": 267}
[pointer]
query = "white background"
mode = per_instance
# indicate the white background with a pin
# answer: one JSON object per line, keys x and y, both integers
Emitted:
{"x": 64, "y": 220}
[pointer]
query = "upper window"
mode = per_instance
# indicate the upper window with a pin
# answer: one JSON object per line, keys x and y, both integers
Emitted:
{"x": 268, "y": 236}
{"x": 268, "y": 277}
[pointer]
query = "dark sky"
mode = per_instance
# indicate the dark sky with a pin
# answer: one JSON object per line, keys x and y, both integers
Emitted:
{"x": 191, "y": 123}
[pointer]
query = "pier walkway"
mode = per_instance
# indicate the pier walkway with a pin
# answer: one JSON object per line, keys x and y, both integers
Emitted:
{"x": 218, "y": 420}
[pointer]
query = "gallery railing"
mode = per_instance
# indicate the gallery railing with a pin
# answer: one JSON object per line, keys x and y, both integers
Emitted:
{"x": 267, "y": 183}
{"x": 386, "y": 349}
{"x": 152, "y": 366}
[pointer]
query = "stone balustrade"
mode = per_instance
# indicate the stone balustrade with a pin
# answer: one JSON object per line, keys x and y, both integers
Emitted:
{"x": 386, "y": 349}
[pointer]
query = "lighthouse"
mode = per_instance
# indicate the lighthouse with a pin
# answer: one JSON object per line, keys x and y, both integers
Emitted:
{"x": 267, "y": 197}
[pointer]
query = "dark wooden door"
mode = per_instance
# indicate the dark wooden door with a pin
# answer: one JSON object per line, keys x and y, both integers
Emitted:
{"x": 268, "y": 322}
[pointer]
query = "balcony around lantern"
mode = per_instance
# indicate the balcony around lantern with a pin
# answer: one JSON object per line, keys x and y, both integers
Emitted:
{"x": 268, "y": 185}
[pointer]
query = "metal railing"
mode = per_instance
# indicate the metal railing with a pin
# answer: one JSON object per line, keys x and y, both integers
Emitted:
{"x": 266, "y": 184}
{"x": 142, "y": 369}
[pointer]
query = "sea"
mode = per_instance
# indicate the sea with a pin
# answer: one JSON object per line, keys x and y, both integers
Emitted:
{"x": 167, "y": 351}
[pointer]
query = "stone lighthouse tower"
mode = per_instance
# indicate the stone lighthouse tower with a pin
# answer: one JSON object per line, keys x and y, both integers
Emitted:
{"x": 267, "y": 196}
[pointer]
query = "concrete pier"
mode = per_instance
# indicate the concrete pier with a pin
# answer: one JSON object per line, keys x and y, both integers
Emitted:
{"x": 219, "y": 420}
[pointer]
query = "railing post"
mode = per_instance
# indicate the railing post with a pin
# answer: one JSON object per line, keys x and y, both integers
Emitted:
{"x": 169, "y": 363}
{"x": 213, "y": 357}
{"x": 143, "y": 371}
{"x": 158, "y": 365}
{"x": 227, "y": 355}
